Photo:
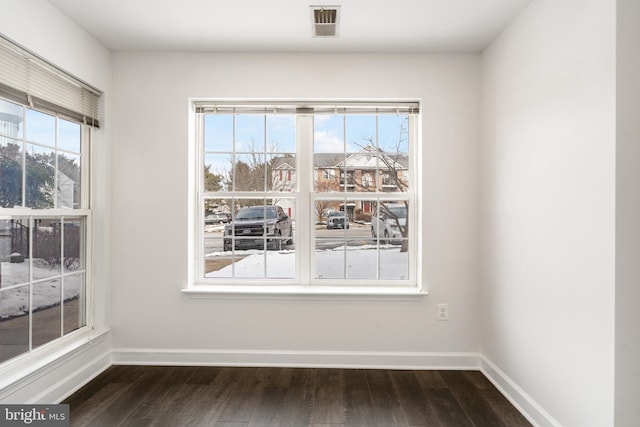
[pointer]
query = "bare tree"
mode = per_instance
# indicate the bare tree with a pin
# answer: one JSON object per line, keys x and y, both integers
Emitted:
{"x": 393, "y": 169}
{"x": 322, "y": 206}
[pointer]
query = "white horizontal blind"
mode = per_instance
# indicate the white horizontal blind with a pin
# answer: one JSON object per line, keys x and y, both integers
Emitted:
{"x": 31, "y": 81}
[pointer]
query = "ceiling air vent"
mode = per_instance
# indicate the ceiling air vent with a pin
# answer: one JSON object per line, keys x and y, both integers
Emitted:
{"x": 324, "y": 20}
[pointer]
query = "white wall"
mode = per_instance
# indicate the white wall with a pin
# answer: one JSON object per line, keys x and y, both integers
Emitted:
{"x": 627, "y": 390}
{"x": 548, "y": 199}
{"x": 150, "y": 217}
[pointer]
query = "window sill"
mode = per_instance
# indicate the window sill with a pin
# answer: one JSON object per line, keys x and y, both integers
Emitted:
{"x": 297, "y": 292}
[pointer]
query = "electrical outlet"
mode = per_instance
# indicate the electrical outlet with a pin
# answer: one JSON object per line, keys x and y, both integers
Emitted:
{"x": 443, "y": 311}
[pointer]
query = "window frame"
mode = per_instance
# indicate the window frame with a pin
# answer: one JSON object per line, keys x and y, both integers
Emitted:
{"x": 305, "y": 195}
{"x": 61, "y": 214}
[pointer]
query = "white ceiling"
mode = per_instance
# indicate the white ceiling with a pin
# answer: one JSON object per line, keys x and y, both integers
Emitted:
{"x": 285, "y": 25}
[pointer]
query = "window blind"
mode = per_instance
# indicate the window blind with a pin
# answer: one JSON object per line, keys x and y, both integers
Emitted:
{"x": 29, "y": 80}
{"x": 313, "y": 107}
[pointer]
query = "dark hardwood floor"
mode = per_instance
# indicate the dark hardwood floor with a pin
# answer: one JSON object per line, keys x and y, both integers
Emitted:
{"x": 139, "y": 396}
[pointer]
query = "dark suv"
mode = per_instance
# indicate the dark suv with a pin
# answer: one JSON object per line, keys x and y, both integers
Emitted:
{"x": 256, "y": 226}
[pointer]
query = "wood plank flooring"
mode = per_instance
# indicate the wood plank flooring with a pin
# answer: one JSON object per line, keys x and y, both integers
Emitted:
{"x": 140, "y": 396}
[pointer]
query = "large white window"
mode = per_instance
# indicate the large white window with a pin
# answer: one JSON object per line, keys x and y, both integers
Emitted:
{"x": 43, "y": 223}
{"x": 308, "y": 193}
{"x": 44, "y": 201}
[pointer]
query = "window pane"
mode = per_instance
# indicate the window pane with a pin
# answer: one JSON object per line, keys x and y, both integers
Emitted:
{"x": 40, "y": 177}
{"x": 69, "y": 184}
{"x": 393, "y": 157}
{"x": 281, "y": 264}
{"x": 73, "y": 245}
{"x": 394, "y": 263}
{"x": 281, "y": 237}
{"x": 250, "y": 133}
{"x": 217, "y": 213}
{"x": 360, "y": 132}
{"x": 328, "y": 153}
{"x": 256, "y": 224}
{"x": 68, "y": 136}
{"x": 10, "y": 119}
{"x": 10, "y": 173}
{"x": 41, "y": 128}
{"x": 216, "y": 171}
{"x": 358, "y": 168}
{"x": 326, "y": 172}
{"x": 389, "y": 222}
{"x": 330, "y": 259}
{"x": 249, "y": 172}
{"x": 14, "y": 322}
{"x": 47, "y": 312}
{"x": 250, "y": 264}
{"x": 331, "y": 232}
{"x": 281, "y": 133}
{"x": 246, "y": 230}
{"x": 14, "y": 251}
{"x": 333, "y": 215}
{"x": 46, "y": 248}
{"x": 218, "y": 132}
{"x": 74, "y": 308}
{"x": 393, "y": 133}
{"x": 216, "y": 260}
{"x": 362, "y": 260}
{"x": 283, "y": 173}
{"x": 328, "y": 134}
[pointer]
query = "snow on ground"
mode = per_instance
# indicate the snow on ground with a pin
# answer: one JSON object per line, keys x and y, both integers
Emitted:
{"x": 361, "y": 263}
{"x": 15, "y": 301}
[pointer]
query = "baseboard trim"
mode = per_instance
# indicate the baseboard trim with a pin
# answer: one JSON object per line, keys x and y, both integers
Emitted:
{"x": 527, "y": 406}
{"x": 297, "y": 359}
{"x": 74, "y": 382}
{"x": 64, "y": 376}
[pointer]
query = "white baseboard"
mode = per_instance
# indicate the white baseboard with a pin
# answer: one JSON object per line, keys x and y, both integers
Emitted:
{"x": 527, "y": 406}
{"x": 64, "y": 375}
{"x": 297, "y": 359}
{"x": 65, "y": 387}
{"x": 60, "y": 373}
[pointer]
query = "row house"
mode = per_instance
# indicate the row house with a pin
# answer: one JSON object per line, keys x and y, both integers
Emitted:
{"x": 367, "y": 170}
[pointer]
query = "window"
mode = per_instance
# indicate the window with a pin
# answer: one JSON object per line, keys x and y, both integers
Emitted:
{"x": 43, "y": 222}
{"x": 44, "y": 202}
{"x": 317, "y": 194}
{"x": 328, "y": 174}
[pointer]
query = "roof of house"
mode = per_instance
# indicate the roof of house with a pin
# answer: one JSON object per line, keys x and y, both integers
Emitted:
{"x": 368, "y": 157}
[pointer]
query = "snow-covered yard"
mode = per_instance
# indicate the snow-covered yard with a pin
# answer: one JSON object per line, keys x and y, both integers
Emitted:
{"x": 354, "y": 262}
{"x": 15, "y": 301}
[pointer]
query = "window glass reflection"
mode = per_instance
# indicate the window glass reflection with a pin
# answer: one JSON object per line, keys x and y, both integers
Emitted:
{"x": 41, "y": 128}
{"x": 46, "y": 318}
{"x": 14, "y": 322}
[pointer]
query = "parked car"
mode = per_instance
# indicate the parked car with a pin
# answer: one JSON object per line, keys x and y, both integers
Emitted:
{"x": 255, "y": 226}
{"x": 387, "y": 222}
{"x": 217, "y": 218}
{"x": 337, "y": 220}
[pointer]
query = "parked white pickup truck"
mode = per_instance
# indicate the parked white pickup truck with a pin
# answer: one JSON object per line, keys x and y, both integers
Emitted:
{"x": 388, "y": 221}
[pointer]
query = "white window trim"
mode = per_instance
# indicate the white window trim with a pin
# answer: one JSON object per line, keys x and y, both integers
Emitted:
{"x": 300, "y": 287}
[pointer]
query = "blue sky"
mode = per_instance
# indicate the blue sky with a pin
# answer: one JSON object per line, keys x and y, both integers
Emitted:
{"x": 330, "y": 133}
{"x": 41, "y": 128}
